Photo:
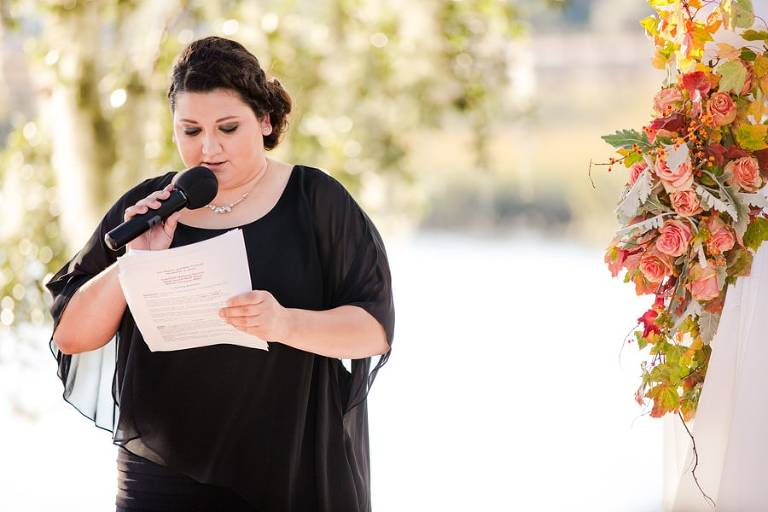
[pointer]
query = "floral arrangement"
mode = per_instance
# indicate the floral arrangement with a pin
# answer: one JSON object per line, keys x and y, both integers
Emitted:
{"x": 691, "y": 214}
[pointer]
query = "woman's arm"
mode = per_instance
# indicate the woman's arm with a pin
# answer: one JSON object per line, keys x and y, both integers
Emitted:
{"x": 92, "y": 315}
{"x": 345, "y": 332}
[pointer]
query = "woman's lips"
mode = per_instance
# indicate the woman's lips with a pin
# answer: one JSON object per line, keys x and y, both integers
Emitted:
{"x": 213, "y": 164}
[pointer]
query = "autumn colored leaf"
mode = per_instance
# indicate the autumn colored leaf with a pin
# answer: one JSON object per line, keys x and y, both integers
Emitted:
{"x": 757, "y": 233}
{"x": 752, "y": 136}
{"x": 737, "y": 13}
{"x": 739, "y": 262}
{"x": 757, "y": 109}
{"x": 733, "y": 75}
{"x": 755, "y": 35}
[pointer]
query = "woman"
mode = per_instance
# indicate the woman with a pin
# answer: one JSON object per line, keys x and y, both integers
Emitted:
{"x": 225, "y": 427}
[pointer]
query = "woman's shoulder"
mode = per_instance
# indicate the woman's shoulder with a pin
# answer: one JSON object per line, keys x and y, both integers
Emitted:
{"x": 320, "y": 184}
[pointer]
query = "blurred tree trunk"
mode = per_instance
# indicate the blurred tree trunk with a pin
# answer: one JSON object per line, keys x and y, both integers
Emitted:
{"x": 82, "y": 141}
{"x": 92, "y": 156}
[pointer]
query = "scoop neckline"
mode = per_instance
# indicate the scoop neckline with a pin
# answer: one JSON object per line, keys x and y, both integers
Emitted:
{"x": 274, "y": 208}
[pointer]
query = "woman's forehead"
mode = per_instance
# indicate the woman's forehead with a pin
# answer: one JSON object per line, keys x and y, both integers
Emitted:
{"x": 210, "y": 106}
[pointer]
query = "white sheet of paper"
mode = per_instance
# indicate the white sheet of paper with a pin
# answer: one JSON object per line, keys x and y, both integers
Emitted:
{"x": 175, "y": 295}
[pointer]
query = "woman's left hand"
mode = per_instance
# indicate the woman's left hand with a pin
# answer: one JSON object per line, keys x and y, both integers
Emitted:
{"x": 258, "y": 313}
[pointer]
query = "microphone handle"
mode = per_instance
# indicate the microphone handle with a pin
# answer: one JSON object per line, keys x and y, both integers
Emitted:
{"x": 139, "y": 224}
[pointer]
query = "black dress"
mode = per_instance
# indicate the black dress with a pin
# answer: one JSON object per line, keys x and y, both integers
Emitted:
{"x": 286, "y": 430}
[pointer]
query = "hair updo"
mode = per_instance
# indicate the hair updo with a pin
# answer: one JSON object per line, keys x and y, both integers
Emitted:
{"x": 218, "y": 63}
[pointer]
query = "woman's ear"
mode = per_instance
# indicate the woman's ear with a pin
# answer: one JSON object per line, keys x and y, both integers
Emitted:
{"x": 266, "y": 126}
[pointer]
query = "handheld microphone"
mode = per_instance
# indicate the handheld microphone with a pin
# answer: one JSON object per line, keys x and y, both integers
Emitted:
{"x": 195, "y": 188}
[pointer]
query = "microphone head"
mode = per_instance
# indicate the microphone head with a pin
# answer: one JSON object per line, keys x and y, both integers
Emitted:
{"x": 200, "y": 186}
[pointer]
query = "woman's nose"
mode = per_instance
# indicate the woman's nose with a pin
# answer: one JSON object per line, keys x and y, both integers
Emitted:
{"x": 211, "y": 145}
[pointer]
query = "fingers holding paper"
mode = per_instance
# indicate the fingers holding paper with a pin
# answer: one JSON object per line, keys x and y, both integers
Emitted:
{"x": 258, "y": 313}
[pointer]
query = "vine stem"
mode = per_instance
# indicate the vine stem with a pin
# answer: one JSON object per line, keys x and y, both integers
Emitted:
{"x": 695, "y": 462}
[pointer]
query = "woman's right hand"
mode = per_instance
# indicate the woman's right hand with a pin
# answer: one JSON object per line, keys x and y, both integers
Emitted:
{"x": 158, "y": 237}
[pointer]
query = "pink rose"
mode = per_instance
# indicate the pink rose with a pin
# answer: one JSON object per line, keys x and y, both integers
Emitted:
{"x": 686, "y": 203}
{"x": 703, "y": 283}
{"x": 674, "y": 169}
{"x": 666, "y": 99}
{"x": 721, "y": 237}
{"x": 635, "y": 171}
{"x": 674, "y": 237}
{"x": 745, "y": 172}
{"x": 654, "y": 266}
{"x": 722, "y": 108}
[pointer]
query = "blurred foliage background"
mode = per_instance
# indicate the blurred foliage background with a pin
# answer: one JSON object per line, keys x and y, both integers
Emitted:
{"x": 84, "y": 113}
{"x": 464, "y": 115}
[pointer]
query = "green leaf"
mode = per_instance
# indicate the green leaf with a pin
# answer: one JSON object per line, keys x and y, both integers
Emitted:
{"x": 743, "y": 14}
{"x": 733, "y": 75}
{"x": 757, "y": 233}
{"x": 708, "y": 326}
{"x": 747, "y": 54}
{"x": 755, "y": 35}
{"x": 626, "y": 138}
{"x": 632, "y": 158}
{"x": 738, "y": 13}
{"x": 669, "y": 398}
{"x": 752, "y": 137}
{"x": 739, "y": 262}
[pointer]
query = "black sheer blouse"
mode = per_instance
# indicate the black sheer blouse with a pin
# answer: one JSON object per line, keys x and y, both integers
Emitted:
{"x": 285, "y": 429}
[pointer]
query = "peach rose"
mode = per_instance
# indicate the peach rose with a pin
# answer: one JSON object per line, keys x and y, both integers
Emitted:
{"x": 686, "y": 203}
{"x": 669, "y": 97}
{"x": 703, "y": 283}
{"x": 674, "y": 237}
{"x": 745, "y": 173}
{"x": 674, "y": 169}
{"x": 654, "y": 265}
{"x": 721, "y": 237}
{"x": 722, "y": 108}
{"x": 635, "y": 171}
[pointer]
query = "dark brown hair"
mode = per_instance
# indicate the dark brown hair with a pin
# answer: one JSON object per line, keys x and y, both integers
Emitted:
{"x": 218, "y": 63}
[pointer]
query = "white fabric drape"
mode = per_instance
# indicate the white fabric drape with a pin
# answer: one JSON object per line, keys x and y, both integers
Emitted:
{"x": 731, "y": 425}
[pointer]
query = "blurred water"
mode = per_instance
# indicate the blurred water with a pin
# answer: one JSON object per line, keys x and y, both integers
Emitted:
{"x": 504, "y": 392}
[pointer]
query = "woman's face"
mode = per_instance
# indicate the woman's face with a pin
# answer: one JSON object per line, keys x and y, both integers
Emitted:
{"x": 220, "y": 131}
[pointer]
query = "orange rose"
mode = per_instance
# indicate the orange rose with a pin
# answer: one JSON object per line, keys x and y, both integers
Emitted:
{"x": 669, "y": 97}
{"x": 686, "y": 203}
{"x": 722, "y": 108}
{"x": 721, "y": 237}
{"x": 674, "y": 237}
{"x": 674, "y": 169}
{"x": 745, "y": 173}
{"x": 703, "y": 283}
{"x": 654, "y": 265}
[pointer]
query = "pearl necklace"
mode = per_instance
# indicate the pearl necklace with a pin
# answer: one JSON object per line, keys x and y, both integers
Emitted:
{"x": 228, "y": 208}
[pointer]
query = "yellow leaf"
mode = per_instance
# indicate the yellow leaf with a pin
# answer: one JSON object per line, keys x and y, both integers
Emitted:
{"x": 760, "y": 66}
{"x": 659, "y": 60}
{"x": 758, "y": 109}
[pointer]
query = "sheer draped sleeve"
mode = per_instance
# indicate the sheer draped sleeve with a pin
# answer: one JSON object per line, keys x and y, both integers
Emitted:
{"x": 355, "y": 269}
{"x": 88, "y": 377}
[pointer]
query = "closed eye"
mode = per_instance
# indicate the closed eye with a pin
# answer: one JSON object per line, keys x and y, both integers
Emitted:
{"x": 228, "y": 128}
{"x": 191, "y": 131}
